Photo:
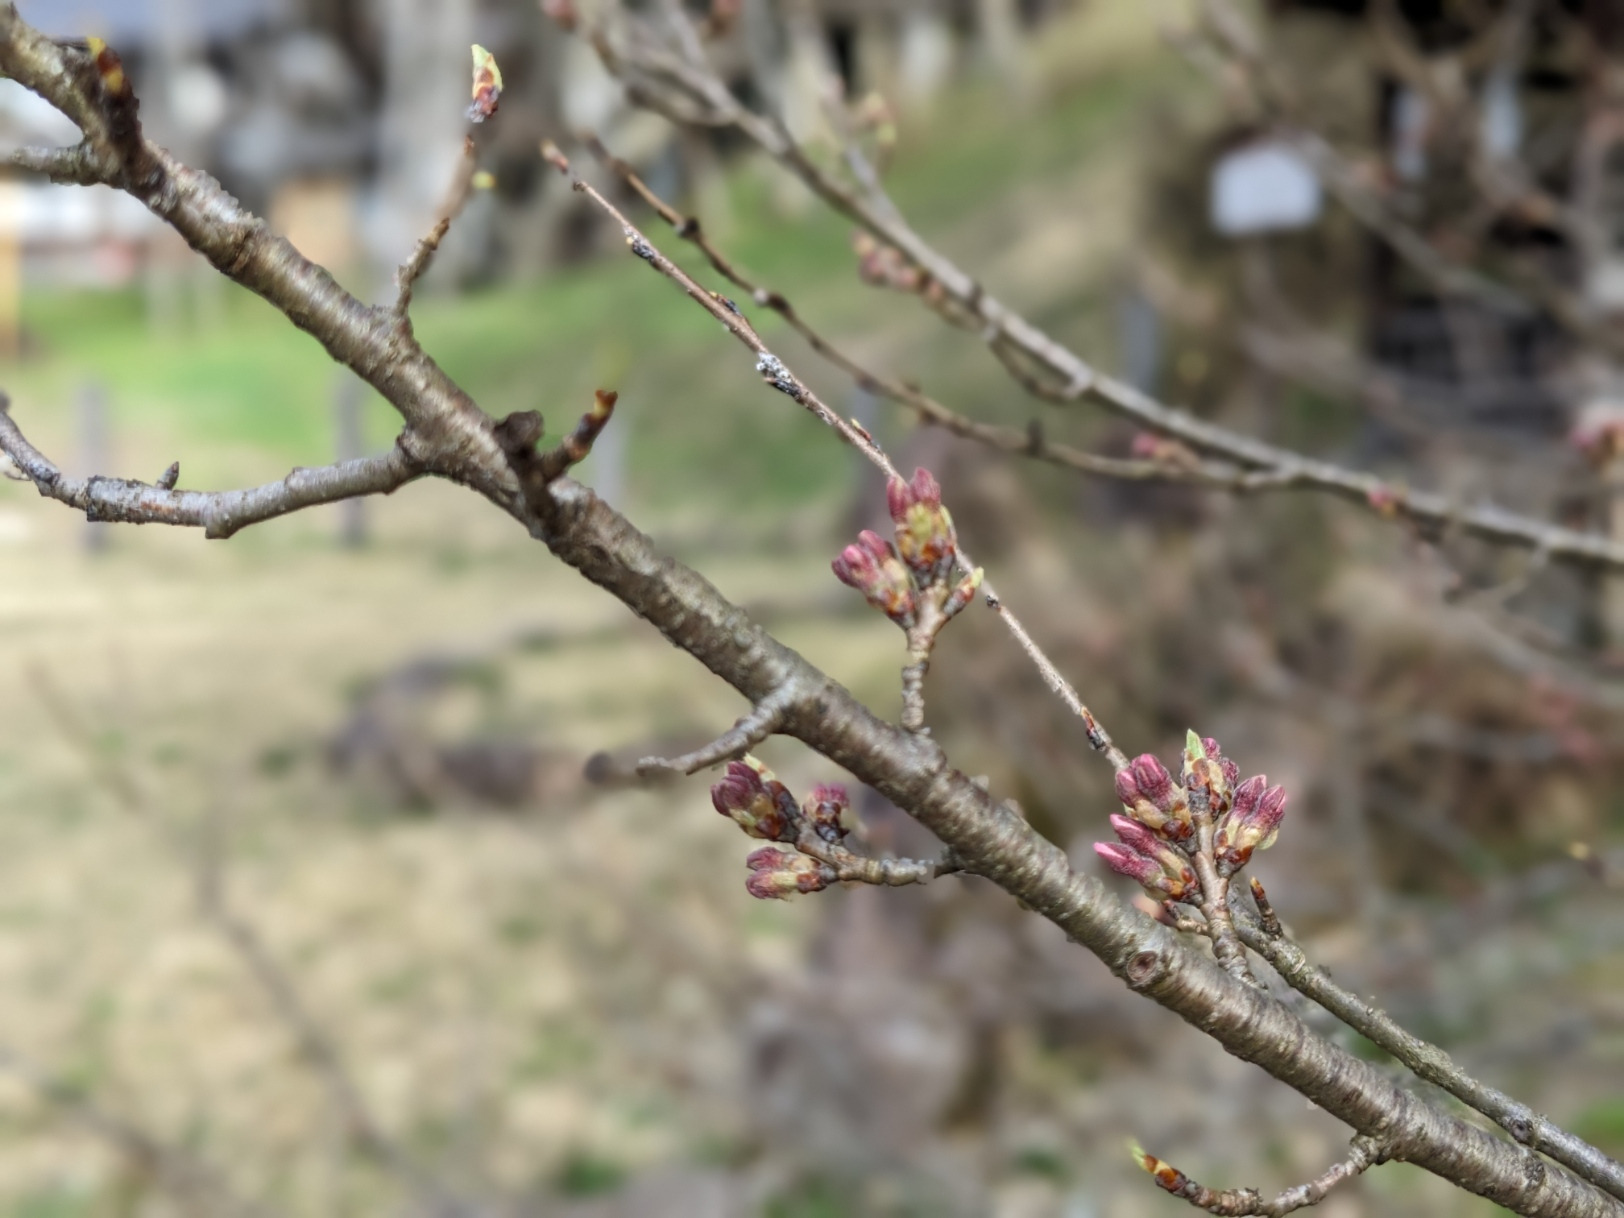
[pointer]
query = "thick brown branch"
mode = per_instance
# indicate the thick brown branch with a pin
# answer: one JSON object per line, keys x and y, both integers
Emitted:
{"x": 441, "y": 417}
{"x": 218, "y": 513}
{"x": 988, "y": 839}
{"x": 910, "y": 769}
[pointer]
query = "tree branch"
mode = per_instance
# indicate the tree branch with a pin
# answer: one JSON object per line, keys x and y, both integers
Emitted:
{"x": 739, "y": 739}
{"x": 651, "y": 72}
{"x": 780, "y": 377}
{"x": 450, "y": 436}
{"x": 1248, "y": 1202}
{"x": 218, "y": 513}
{"x": 1426, "y": 1061}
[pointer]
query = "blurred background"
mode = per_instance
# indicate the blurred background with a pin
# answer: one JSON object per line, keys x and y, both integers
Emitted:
{"x": 306, "y": 905}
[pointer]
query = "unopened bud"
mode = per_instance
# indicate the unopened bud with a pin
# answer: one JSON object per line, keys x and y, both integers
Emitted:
{"x": 925, "y": 536}
{"x": 1149, "y": 793}
{"x": 779, "y": 874}
{"x": 1252, "y": 824}
{"x": 828, "y": 808}
{"x": 872, "y": 566}
{"x": 1166, "y": 1175}
{"x": 1208, "y": 774}
{"x": 1146, "y": 871}
{"x": 756, "y": 801}
{"x": 487, "y": 90}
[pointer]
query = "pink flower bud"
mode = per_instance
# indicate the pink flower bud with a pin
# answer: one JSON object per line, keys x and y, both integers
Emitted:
{"x": 756, "y": 801}
{"x": 1136, "y": 837}
{"x": 1251, "y": 825}
{"x": 1136, "y": 867}
{"x": 872, "y": 566}
{"x": 1147, "y": 790}
{"x": 925, "y": 536}
{"x": 1152, "y": 780}
{"x": 1171, "y": 878}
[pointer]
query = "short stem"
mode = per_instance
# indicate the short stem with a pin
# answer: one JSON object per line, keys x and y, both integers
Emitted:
{"x": 1226, "y": 945}
{"x": 913, "y": 691}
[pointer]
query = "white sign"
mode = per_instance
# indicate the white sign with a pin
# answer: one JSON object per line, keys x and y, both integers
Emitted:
{"x": 1262, "y": 187}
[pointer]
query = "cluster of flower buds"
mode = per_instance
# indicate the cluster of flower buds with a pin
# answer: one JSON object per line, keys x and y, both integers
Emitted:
{"x": 873, "y": 567}
{"x": 776, "y": 875}
{"x": 753, "y": 798}
{"x": 1159, "y": 835}
{"x": 902, "y": 579}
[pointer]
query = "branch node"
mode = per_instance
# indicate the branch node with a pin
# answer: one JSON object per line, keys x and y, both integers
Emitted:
{"x": 765, "y": 719}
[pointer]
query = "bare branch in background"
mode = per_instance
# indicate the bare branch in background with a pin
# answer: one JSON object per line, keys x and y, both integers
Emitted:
{"x": 654, "y": 76}
{"x": 775, "y": 373}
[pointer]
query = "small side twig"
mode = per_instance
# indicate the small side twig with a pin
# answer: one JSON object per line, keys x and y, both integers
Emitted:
{"x": 462, "y": 188}
{"x": 218, "y": 513}
{"x": 751, "y": 730}
{"x": 1267, "y": 918}
{"x": 1364, "y": 1153}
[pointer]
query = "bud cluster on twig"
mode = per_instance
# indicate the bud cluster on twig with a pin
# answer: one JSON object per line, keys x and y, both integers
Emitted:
{"x": 1183, "y": 841}
{"x": 911, "y": 579}
{"x": 816, "y": 827}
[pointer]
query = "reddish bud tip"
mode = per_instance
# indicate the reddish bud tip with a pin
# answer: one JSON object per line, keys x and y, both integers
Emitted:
{"x": 1152, "y": 780}
{"x": 1247, "y": 796}
{"x": 1136, "y": 837}
{"x": 756, "y": 801}
{"x": 828, "y": 808}
{"x": 872, "y": 566}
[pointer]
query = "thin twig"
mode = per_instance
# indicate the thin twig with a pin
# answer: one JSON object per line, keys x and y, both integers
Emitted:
{"x": 1248, "y": 1202}
{"x": 462, "y": 188}
{"x": 746, "y": 734}
{"x": 218, "y": 513}
{"x": 1427, "y": 1061}
{"x": 774, "y": 371}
